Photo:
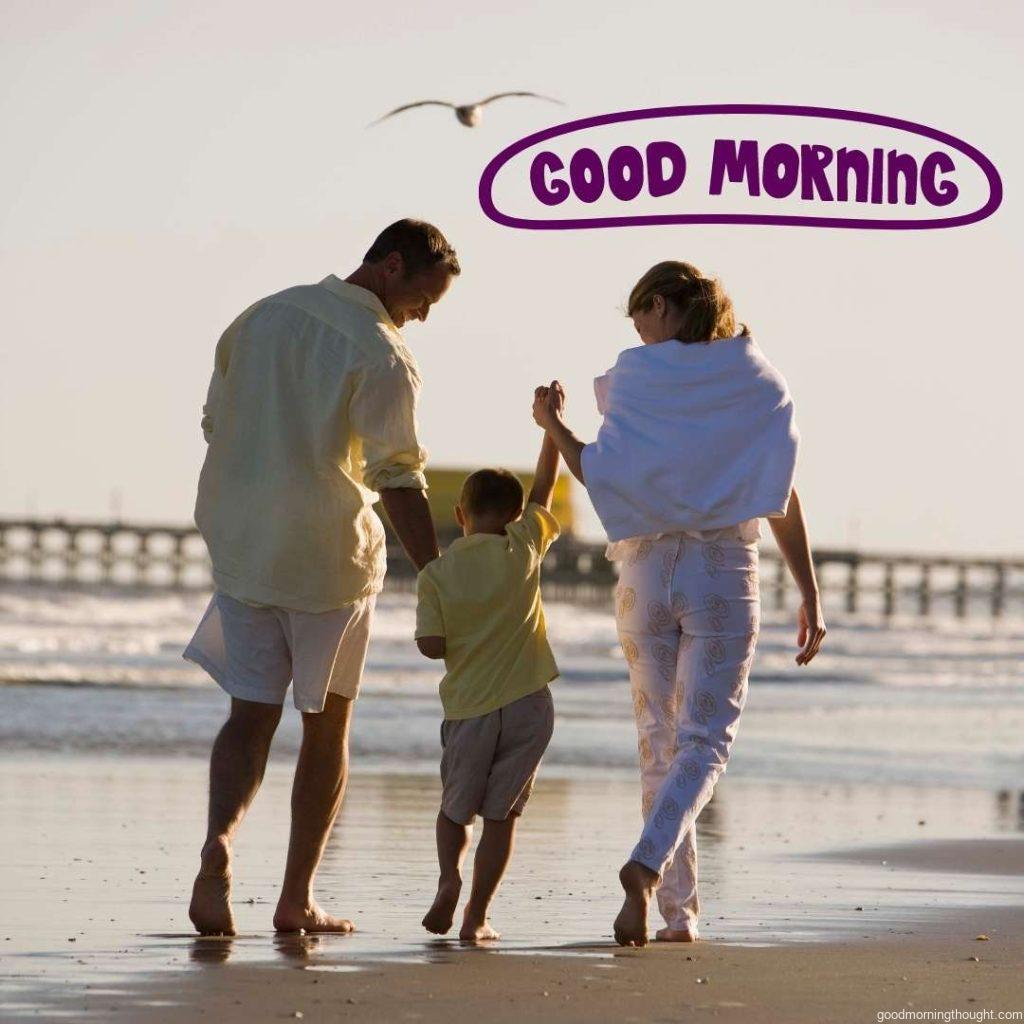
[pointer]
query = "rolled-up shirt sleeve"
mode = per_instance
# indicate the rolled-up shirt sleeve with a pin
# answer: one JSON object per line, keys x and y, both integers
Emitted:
{"x": 382, "y": 413}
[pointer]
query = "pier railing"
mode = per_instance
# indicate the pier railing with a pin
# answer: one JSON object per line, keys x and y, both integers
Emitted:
{"x": 82, "y": 554}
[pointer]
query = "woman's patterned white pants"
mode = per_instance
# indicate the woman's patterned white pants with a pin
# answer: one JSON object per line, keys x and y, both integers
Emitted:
{"x": 687, "y": 613}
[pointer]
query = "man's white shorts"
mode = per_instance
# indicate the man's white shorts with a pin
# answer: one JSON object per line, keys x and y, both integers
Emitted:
{"x": 254, "y": 653}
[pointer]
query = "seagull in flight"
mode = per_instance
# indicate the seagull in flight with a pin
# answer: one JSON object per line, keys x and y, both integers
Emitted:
{"x": 468, "y": 114}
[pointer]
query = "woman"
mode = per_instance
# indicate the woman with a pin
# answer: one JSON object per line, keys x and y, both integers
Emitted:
{"x": 698, "y": 442}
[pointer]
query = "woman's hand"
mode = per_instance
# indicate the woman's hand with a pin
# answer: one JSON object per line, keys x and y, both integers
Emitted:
{"x": 548, "y": 411}
{"x": 812, "y": 630}
{"x": 548, "y": 404}
{"x": 556, "y": 399}
{"x": 541, "y": 409}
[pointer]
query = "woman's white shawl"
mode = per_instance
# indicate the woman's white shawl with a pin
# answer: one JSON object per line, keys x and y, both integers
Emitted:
{"x": 695, "y": 436}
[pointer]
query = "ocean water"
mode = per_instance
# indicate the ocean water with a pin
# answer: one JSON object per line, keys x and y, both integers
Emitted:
{"x": 915, "y": 701}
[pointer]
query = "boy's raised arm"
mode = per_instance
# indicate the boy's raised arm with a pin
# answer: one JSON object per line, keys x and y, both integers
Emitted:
{"x": 546, "y": 473}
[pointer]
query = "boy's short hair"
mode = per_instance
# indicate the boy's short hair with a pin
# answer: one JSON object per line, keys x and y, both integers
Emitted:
{"x": 492, "y": 491}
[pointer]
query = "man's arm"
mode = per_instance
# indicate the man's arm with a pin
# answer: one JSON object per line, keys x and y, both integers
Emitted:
{"x": 409, "y": 513}
{"x": 382, "y": 411}
{"x": 546, "y": 474}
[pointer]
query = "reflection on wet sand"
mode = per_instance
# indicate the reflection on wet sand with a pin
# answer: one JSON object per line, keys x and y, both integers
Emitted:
{"x": 292, "y": 947}
{"x": 111, "y": 847}
{"x": 212, "y": 949}
{"x": 300, "y": 947}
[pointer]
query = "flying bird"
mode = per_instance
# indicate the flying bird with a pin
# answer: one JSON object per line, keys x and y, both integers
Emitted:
{"x": 469, "y": 114}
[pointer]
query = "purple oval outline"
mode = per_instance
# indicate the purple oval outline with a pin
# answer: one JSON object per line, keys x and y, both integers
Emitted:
{"x": 494, "y": 166}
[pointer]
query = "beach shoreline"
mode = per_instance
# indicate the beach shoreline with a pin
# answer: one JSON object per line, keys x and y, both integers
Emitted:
{"x": 819, "y": 900}
{"x": 843, "y": 851}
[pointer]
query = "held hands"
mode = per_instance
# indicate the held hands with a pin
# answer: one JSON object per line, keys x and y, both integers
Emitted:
{"x": 548, "y": 412}
{"x": 548, "y": 404}
{"x": 812, "y": 631}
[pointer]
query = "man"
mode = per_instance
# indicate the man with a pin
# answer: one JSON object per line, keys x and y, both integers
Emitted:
{"x": 311, "y": 411}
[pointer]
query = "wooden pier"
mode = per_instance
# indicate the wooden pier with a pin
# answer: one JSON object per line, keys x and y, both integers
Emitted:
{"x": 98, "y": 554}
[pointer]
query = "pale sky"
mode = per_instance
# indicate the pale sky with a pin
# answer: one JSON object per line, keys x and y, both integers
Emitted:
{"x": 165, "y": 164}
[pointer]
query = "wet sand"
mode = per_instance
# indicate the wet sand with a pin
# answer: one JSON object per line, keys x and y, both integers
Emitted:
{"x": 980, "y": 855}
{"x": 810, "y": 983}
{"x": 802, "y": 919}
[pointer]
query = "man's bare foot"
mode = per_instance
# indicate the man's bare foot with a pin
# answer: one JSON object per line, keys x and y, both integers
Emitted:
{"x": 639, "y": 883}
{"x": 308, "y": 917}
{"x": 210, "y": 909}
{"x": 676, "y": 935}
{"x": 439, "y": 917}
{"x": 473, "y": 930}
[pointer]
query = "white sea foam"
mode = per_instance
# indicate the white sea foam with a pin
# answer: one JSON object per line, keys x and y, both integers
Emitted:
{"x": 925, "y": 700}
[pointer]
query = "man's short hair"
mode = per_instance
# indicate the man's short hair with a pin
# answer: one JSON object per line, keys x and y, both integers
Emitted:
{"x": 492, "y": 492}
{"x": 420, "y": 245}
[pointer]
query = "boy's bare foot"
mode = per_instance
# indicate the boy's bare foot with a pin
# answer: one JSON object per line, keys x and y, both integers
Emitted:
{"x": 676, "y": 935}
{"x": 210, "y": 909}
{"x": 439, "y": 917}
{"x": 639, "y": 883}
{"x": 477, "y": 931}
{"x": 308, "y": 917}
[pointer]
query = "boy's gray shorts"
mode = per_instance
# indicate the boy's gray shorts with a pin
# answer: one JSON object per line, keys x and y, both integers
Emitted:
{"x": 490, "y": 762}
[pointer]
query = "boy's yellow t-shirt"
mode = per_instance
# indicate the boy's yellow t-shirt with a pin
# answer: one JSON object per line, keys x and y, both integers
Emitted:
{"x": 483, "y": 596}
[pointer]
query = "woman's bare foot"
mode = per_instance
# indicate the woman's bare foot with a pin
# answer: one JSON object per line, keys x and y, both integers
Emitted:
{"x": 308, "y": 917}
{"x": 676, "y": 935}
{"x": 439, "y": 917}
{"x": 210, "y": 909}
{"x": 474, "y": 930}
{"x": 639, "y": 883}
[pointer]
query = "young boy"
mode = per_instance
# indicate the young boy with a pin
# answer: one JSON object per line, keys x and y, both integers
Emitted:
{"x": 479, "y": 608}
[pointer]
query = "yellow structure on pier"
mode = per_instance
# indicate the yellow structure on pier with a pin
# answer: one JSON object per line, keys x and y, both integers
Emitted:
{"x": 445, "y": 486}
